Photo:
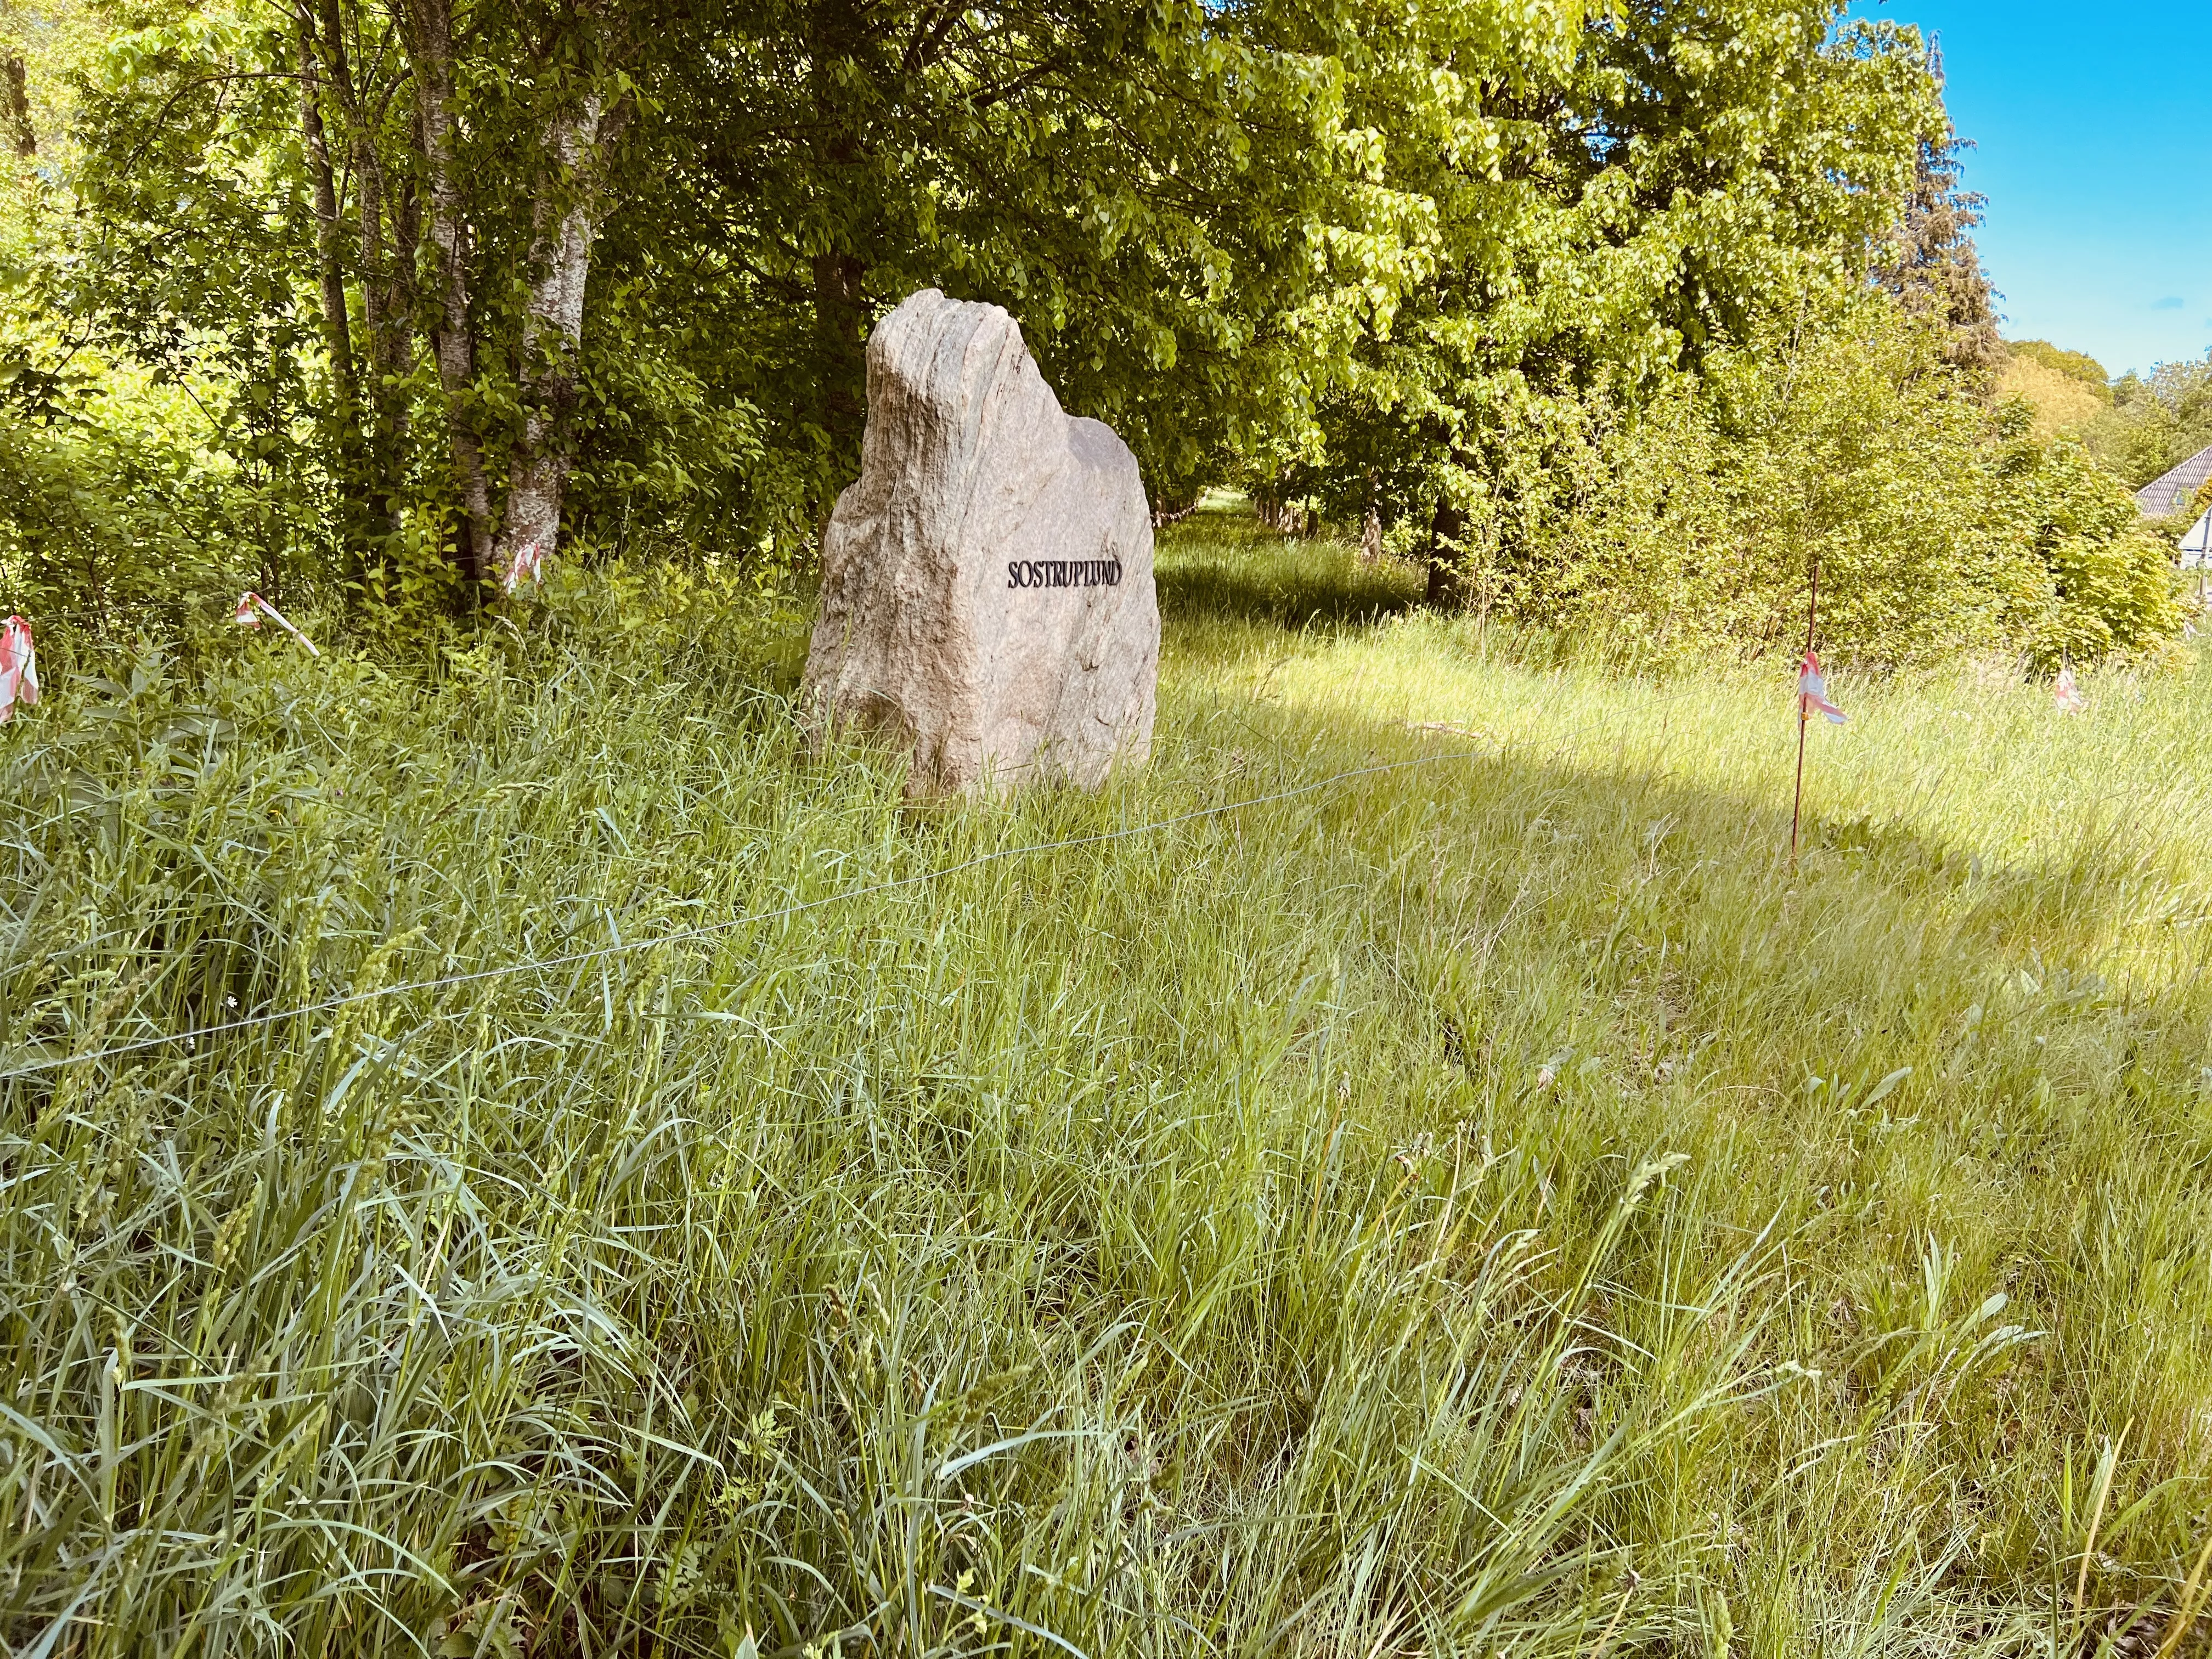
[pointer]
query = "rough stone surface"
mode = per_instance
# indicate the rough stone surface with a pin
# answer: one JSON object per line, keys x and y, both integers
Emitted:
{"x": 987, "y": 592}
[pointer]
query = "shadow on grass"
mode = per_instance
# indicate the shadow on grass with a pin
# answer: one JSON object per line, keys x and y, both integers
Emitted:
{"x": 1219, "y": 565}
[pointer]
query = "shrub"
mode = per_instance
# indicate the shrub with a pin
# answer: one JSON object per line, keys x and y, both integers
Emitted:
{"x": 107, "y": 528}
{"x": 1937, "y": 523}
{"x": 2106, "y": 584}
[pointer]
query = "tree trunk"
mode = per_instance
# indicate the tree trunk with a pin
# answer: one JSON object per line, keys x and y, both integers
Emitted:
{"x": 452, "y": 334}
{"x": 840, "y": 321}
{"x": 1164, "y": 516}
{"x": 337, "y": 330}
{"x": 1447, "y": 585}
{"x": 838, "y": 35}
{"x": 17, "y": 95}
{"x": 563, "y": 231}
{"x": 387, "y": 296}
{"x": 337, "y": 333}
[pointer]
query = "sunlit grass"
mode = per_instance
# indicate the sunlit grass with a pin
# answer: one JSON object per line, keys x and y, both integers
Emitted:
{"x": 1489, "y": 1206}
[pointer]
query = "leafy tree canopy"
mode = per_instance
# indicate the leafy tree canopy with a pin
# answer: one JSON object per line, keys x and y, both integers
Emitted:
{"x": 443, "y": 282}
{"x": 2075, "y": 365}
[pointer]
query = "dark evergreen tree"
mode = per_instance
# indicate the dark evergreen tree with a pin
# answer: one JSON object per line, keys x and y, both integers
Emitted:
{"x": 1929, "y": 261}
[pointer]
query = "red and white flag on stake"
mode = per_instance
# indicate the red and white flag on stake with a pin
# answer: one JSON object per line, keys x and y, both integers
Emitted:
{"x": 528, "y": 565}
{"x": 1812, "y": 691}
{"x": 251, "y": 607}
{"x": 2067, "y": 694}
{"x": 19, "y": 667}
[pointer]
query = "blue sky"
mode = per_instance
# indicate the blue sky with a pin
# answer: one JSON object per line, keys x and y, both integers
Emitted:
{"x": 2093, "y": 133}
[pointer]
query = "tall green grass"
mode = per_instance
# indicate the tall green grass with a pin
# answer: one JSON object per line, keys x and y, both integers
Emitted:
{"x": 1489, "y": 1206}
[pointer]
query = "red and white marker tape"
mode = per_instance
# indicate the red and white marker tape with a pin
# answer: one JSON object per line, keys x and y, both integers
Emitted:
{"x": 19, "y": 667}
{"x": 528, "y": 565}
{"x": 2067, "y": 694}
{"x": 251, "y": 607}
{"x": 1812, "y": 691}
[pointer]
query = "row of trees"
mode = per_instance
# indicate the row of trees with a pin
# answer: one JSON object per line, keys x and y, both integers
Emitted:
{"x": 2137, "y": 425}
{"x": 443, "y": 278}
{"x": 2156, "y": 421}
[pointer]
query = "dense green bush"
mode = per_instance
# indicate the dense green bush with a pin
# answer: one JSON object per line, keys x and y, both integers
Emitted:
{"x": 2101, "y": 582}
{"x": 101, "y": 527}
{"x": 1937, "y": 525}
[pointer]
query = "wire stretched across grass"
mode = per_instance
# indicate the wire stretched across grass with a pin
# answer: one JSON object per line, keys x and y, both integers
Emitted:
{"x": 707, "y": 930}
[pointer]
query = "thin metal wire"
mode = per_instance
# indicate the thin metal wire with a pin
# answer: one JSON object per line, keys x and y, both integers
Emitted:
{"x": 253, "y": 1022}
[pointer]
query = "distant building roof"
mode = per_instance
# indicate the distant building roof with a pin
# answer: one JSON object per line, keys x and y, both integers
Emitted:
{"x": 2171, "y": 494}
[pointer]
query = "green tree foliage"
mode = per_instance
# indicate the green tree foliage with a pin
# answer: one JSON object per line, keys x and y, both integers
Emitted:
{"x": 1938, "y": 526}
{"x": 1602, "y": 221}
{"x": 2102, "y": 583}
{"x": 376, "y": 230}
{"x": 2155, "y": 422}
{"x": 1143, "y": 186}
{"x": 1930, "y": 263}
{"x": 2075, "y": 365}
{"x": 2063, "y": 392}
{"x": 440, "y": 258}
{"x": 447, "y": 280}
{"x": 99, "y": 523}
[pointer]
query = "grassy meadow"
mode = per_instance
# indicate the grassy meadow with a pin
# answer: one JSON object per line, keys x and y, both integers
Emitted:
{"x": 1488, "y": 1205}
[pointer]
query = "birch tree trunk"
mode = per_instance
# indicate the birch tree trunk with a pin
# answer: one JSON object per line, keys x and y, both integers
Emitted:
{"x": 565, "y": 223}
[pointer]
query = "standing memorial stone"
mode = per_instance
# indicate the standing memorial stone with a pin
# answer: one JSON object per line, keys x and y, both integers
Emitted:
{"x": 987, "y": 585}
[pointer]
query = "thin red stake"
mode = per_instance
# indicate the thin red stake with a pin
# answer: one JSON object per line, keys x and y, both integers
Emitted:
{"x": 1797, "y": 806}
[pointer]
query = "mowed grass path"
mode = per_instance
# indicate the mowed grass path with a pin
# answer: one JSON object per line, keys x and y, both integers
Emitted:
{"x": 1488, "y": 1206}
